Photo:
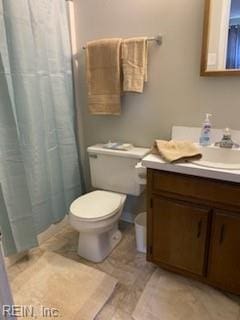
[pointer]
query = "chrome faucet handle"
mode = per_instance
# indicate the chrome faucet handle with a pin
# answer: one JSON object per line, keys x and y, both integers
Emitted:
{"x": 227, "y": 133}
{"x": 226, "y": 141}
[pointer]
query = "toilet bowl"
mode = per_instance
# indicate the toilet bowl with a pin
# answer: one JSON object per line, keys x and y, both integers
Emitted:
{"x": 96, "y": 216}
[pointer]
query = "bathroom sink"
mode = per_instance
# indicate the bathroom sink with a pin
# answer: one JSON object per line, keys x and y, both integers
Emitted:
{"x": 219, "y": 158}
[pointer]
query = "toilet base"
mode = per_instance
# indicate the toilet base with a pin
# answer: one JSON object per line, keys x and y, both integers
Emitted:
{"x": 96, "y": 247}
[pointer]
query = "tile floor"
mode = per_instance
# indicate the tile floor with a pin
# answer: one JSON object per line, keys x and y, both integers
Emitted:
{"x": 124, "y": 263}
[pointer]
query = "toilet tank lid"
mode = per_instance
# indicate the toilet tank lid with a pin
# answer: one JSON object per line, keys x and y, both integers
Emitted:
{"x": 135, "y": 152}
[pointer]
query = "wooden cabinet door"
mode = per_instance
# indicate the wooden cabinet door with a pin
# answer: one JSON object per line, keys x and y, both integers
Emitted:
{"x": 224, "y": 257}
{"x": 179, "y": 232}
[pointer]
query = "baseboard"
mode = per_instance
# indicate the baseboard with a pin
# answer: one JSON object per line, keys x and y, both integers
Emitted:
{"x": 127, "y": 217}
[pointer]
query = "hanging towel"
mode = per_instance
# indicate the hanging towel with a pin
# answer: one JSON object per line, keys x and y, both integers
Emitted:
{"x": 103, "y": 76}
{"x": 134, "y": 63}
{"x": 172, "y": 151}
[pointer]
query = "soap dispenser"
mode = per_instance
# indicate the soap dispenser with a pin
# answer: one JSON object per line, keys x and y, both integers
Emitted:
{"x": 205, "y": 138}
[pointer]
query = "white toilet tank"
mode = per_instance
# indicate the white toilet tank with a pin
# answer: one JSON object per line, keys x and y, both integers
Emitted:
{"x": 114, "y": 170}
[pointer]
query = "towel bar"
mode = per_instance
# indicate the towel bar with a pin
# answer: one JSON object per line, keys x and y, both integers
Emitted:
{"x": 158, "y": 40}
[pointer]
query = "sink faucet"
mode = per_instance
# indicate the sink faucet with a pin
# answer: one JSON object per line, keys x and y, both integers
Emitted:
{"x": 226, "y": 141}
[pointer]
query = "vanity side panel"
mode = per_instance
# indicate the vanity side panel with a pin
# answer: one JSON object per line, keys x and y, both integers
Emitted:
{"x": 149, "y": 214}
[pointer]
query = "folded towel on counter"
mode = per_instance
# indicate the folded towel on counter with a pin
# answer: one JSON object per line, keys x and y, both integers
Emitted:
{"x": 172, "y": 151}
{"x": 134, "y": 64}
{"x": 103, "y": 76}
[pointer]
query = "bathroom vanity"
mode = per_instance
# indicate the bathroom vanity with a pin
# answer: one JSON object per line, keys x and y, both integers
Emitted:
{"x": 193, "y": 225}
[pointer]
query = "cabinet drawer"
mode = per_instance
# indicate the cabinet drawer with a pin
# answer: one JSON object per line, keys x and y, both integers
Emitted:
{"x": 196, "y": 187}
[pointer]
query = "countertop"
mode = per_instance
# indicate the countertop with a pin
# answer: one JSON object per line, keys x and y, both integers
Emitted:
{"x": 156, "y": 162}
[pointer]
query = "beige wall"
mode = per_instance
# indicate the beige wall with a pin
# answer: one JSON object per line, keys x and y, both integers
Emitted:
{"x": 175, "y": 94}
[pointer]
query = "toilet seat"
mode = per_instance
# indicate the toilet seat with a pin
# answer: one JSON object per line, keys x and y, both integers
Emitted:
{"x": 97, "y": 205}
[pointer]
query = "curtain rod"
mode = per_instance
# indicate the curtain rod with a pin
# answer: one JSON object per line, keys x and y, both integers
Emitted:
{"x": 158, "y": 40}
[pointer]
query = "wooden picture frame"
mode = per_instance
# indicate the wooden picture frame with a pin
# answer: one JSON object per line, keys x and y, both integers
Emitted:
{"x": 204, "y": 72}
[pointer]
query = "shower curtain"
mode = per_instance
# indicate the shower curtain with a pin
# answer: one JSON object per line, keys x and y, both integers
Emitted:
{"x": 39, "y": 166}
{"x": 233, "y": 50}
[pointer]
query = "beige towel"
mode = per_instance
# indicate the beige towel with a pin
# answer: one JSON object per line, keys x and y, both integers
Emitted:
{"x": 172, "y": 151}
{"x": 103, "y": 76}
{"x": 134, "y": 63}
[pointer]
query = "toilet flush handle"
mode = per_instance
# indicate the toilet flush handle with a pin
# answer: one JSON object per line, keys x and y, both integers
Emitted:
{"x": 140, "y": 173}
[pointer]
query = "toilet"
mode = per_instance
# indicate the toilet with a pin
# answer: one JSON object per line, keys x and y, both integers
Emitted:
{"x": 95, "y": 215}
